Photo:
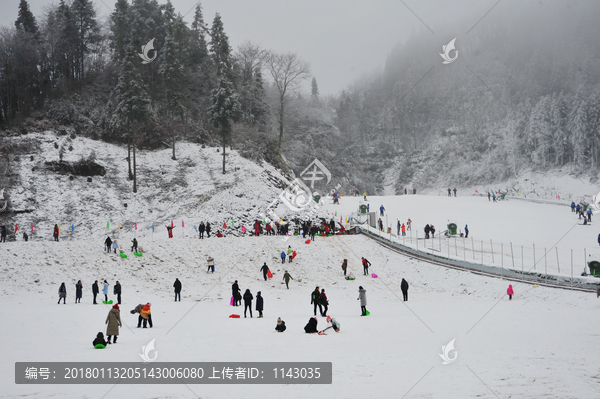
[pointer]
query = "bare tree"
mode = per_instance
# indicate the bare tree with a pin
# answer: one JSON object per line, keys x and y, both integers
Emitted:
{"x": 287, "y": 70}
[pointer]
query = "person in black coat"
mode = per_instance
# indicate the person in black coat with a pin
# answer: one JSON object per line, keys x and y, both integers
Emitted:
{"x": 404, "y": 288}
{"x": 78, "y": 291}
{"x": 427, "y": 230}
{"x": 207, "y": 229}
{"x": 332, "y": 227}
{"x": 265, "y": 269}
{"x": 108, "y": 244}
{"x": 235, "y": 292}
{"x": 315, "y": 300}
{"x": 201, "y": 229}
{"x": 280, "y": 327}
{"x": 248, "y": 297}
{"x": 95, "y": 291}
{"x": 117, "y": 291}
{"x": 99, "y": 340}
{"x": 134, "y": 244}
{"x": 323, "y": 301}
{"x": 313, "y": 231}
{"x": 177, "y": 286}
{"x": 3, "y": 234}
{"x": 311, "y": 326}
{"x": 259, "y": 304}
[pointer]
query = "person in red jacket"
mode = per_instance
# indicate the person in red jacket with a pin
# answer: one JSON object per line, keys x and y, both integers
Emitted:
{"x": 510, "y": 292}
{"x": 403, "y": 229}
{"x": 269, "y": 229}
{"x": 55, "y": 232}
{"x": 170, "y": 230}
{"x": 256, "y": 228}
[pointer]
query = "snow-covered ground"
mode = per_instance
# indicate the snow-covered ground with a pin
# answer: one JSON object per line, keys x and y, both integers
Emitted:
{"x": 540, "y": 344}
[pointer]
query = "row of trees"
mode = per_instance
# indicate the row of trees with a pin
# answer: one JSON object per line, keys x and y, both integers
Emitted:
{"x": 196, "y": 86}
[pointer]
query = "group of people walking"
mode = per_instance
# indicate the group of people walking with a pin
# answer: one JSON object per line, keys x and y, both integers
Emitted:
{"x": 62, "y": 292}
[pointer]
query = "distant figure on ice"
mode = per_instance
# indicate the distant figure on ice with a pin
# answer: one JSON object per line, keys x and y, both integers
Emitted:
{"x": 170, "y": 230}
{"x": 62, "y": 293}
{"x": 177, "y": 286}
{"x": 311, "y": 326}
{"x": 236, "y": 293}
{"x": 114, "y": 322}
{"x": 449, "y": 194}
{"x": 208, "y": 228}
{"x": 454, "y": 191}
{"x": 572, "y": 206}
{"x": 265, "y": 269}
{"x": 405, "y": 191}
{"x": 78, "y": 291}
{"x": 381, "y": 210}
{"x": 345, "y": 263}
{"x": 404, "y": 288}
{"x": 398, "y": 228}
{"x": 314, "y": 300}
{"x": 427, "y": 230}
{"x": 134, "y": 245}
{"x": 259, "y": 304}
{"x": 489, "y": 196}
{"x": 248, "y": 297}
{"x": 280, "y": 327}
{"x": 362, "y": 296}
{"x": 589, "y": 214}
{"x": 366, "y": 265}
{"x": 56, "y": 232}
{"x": 334, "y": 324}
{"x": 25, "y": 236}
{"x": 107, "y": 244}
{"x": 95, "y": 291}
{"x": 466, "y": 231}
{"x": 510, "y": 292}
{"x": 286, "y": 278}
{"x": 3, "y": 234}
{"x": 117, "y": 291}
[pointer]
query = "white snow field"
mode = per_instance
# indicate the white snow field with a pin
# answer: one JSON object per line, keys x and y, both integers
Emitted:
{"x": 540, "y": 344}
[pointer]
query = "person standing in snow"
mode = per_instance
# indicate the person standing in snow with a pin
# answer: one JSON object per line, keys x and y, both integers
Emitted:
{"x": 408, "y": 224}
{"x": 403, "y": 228}
{"x": 315, "y": 300}
{"x": 269, "y": 229}
{"x": 177, "y": 286}
{"x": 235, "y": 292}
{"x": 362, "y": 296}
{"x": 256, "y": 228}
{"x": 117, "y": 291}
{"x": 427, "y": 230}
{"x": 134, "y": 245}
{"x": 280, "y": 327}
{"x": 311, "y": 326}
{"x": 313, "y": 231}
{"x": 211, "y": 265}
{"x": 290, "y": 253}
{"x": 323, "y": 301}
{"x": 332, "y": 226}
{"x": 589, "y": 214}
{"x": 287, "y": 278}
{"x": 95, "y": 291}
{"x": 105, "y": 291}
{"x": 345, "y": 264}
{"x": 510, "y": 292}
{"x": 78, "y": 291}
{"x": 489, "y": 196}
{"x": 208, "y": 228}
{"x": 455, "y": 191}
{"x": 366, "y": 265}
{"x": 282, "y": 257}
{"x": 598, "y": 239}
{"x": 201, "y": 229}
{"x": 146, "y": 314}
{"x": 365, "y": 195}
{"x": 405, "y": 191}
{"x": 414, "y": 191}
{"x": 466, "y": 231}
{"x": 170, "y": 230}
{"x": 259, "y": 304}
{"x": 115, "y": 246}
{"x": 138, "y": 309}
{"x": 380, "y": 224}
{"x": 432, "y": 229}
{"x": 381, "y": 210}
{"x": 248, "y": 297}
{"x": 114, "y": 322}
{"x": 449, "y": 195}
{"x": 56, "y": 232}
{"x": 108, "y": 244}
{"x": 3, "y": 234}
{"x": 265, "y": 270}
{"x": 62, "y": 294}
{"x": 404, "y": 288}
{"x": 572, "y": 206}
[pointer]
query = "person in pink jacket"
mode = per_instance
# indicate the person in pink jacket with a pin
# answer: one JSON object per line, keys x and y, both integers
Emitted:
{"x": 510, "y": 292}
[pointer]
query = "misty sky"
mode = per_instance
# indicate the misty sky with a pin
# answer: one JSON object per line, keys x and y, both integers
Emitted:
{"x": 342, "y": 39}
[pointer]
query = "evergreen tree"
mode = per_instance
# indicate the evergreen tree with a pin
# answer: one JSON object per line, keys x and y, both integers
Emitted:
{"x": 119, "y": 30}
{"x": 67, "y": 42}
{"x": 198, "y": 51}
{"x": 314, "y": 89}
{"x": 132, "y": 102}
{"x": 224, "y": 110}
{"x": 220, "y": 50}
{"x": 578, "y": 126}
{"x": 26, "y": 21}
{"x": 87, "y": 31}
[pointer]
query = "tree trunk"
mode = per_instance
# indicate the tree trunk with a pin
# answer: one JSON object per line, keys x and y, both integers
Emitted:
{"x": 281, "y": 112}
{"x": 173, "y": 137}
{"x": 129, "y": 155}
{"x": 134, "y": 164}
{"x": 224, "y": 145}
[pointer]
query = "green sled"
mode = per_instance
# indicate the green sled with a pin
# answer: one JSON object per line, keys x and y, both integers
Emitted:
{"x": 137, "y": 254}
{"x": 99, "y": 346}
{"x": 368, "y": 313}
{"x": 107, "y": 302}
{"x": 350, "y": 278}
{"x": 123, "y": 255}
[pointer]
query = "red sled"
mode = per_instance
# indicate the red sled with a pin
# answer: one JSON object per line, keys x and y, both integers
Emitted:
{"x": 307, "y": 242}
{"x": 294, "y": 254}
{"x": 234, "y": 316}
{"x": 269, "y": 274}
